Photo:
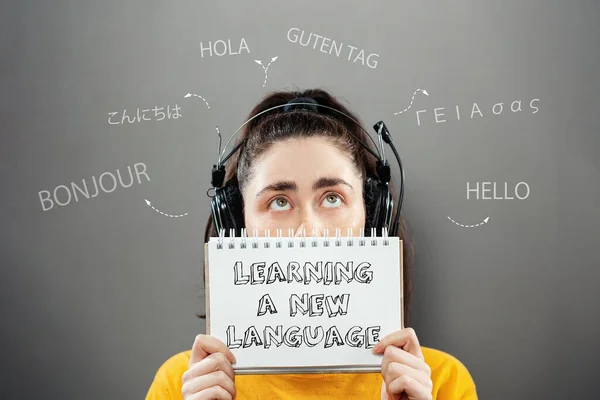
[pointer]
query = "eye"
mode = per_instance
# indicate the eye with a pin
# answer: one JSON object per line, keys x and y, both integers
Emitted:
{"x": 332, "y": 200}
{"x": 279, "y": 204}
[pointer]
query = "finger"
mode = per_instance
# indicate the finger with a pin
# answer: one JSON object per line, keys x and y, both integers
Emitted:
{"x": 212, "y": 363}
{"x": 203, "y": 382}
{"x": 413, "y": 388}
{"x": 205, "y": 345}
{"x": 395, "y": 354}
{"x": 395, "y": 370}
{"x": 404, "y": 338}
{"x": 212, "y": 393}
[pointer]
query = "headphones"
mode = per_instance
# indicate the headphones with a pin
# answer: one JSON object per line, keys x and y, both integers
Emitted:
{"x": 227, "y": 202}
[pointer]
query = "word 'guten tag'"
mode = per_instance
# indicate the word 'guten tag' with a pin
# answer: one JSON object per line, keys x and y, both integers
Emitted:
{"x": 330, "y": 46}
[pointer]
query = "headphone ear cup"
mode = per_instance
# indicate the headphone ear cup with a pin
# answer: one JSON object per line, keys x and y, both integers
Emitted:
{"x": 386, "y": 207}
{"x": 378, "y": 206}
{"x": 371, "y": 193}
{"x": 228, "y": 208}
{"x": 235, "y": 204}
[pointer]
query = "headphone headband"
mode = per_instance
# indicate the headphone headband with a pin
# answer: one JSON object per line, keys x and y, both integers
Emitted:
{"x": 304, "y": 102}
{"x": 221, "y": 160}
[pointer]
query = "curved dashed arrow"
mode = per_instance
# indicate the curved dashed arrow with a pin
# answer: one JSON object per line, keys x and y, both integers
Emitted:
{"x": 266, "y": 68}
{"x": 197, "y": 95}
{"x": 485, "y": 221}
{"x": 160, "y": 212}
{"x": 412, "y": 100}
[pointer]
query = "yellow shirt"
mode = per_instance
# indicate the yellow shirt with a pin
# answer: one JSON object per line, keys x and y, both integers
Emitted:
{"x": 451, "y": 381}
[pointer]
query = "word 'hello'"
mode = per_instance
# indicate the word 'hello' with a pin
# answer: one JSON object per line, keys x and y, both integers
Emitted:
{"x": 107, "y": 182}
{"x": 327, "y": 45}
{"x": 327, "y": 273}
{"x": 220, "y": 48}
{"x": 294, "y": 336}
{"x": 504, "y": 195}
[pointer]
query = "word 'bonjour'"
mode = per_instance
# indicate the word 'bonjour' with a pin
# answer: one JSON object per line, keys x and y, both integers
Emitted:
{"x": 220, "y": 48}
{"x": 107, "y": 182}
{"x": 328, "y": 46}
{"x": 295, "y": 336}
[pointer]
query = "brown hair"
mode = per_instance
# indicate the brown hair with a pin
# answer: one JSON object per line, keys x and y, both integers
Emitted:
{"x": 273, "y": 126}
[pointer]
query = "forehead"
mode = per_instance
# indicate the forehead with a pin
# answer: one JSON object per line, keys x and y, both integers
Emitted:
{"x": 303, "y": 160}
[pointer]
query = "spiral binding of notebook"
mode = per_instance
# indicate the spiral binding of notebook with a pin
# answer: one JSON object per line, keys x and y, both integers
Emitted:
{"x": 300, "y": 239}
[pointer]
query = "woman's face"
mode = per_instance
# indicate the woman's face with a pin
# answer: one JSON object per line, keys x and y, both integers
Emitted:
{"x": 304, "y": 184}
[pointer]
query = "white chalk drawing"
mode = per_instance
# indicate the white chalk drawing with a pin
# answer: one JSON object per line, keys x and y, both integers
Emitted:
{"x": 498, "y": 194}
{"x": 226, "y": 48}
{"x": 412, "y": 100}
{"x": 266, "y": 68}
{"x": 332, "y": 46}
{"x": 197, "y": 95}
{"x": 146, "y": 114}
{"x": 485, "y": 221}
{"x": 442, "y": 114}
{"x": 107, "y": 182}
{"x": 160, "y": 212}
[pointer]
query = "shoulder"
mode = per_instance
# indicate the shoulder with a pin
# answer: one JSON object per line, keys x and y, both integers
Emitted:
{"x": 438, "y": 359}
{"x": 167, "y": 380}
{"x": 175, "y": 364}
{"x": 451, "y": 379}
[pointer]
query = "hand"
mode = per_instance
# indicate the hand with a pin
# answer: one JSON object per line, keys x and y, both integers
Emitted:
{"x": 210, "y": 374}
{"x": 406, "y": 375}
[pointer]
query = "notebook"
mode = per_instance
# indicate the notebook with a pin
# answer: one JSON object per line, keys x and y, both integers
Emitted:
{"x": 303, "y": 304}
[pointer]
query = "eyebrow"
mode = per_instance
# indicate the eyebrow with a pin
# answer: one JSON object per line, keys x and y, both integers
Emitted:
{"x": 291, "y": 185}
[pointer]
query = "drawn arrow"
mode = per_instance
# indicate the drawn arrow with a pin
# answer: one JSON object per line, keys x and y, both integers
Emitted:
{"x": 485, "y": 221}
{"x": 412, "y": 100}
{"x": 160, "y": 212}
{"x": 197, "y": 95}
{"x": 266, "y": 68}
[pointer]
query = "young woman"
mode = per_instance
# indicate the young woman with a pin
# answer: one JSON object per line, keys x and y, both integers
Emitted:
{"x": 302, "y": 169}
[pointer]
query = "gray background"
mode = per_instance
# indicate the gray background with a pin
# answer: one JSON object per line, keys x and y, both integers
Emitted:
{"x": 94, "y": 296}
